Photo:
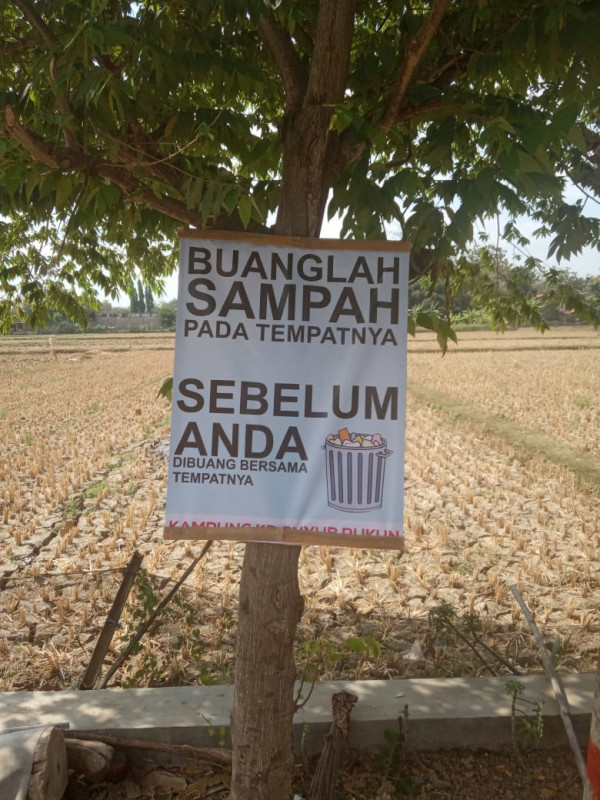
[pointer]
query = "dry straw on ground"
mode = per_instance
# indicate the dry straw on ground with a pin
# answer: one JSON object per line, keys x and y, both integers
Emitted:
{"x": 83, "y": 475}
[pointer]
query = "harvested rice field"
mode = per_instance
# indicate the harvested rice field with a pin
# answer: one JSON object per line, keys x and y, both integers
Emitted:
{"x": 502, "y": 487}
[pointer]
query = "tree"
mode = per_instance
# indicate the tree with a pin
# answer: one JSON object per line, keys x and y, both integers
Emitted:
{"x": 124, "y": 120}
{"x": 167, "y": 312}
{"x": 134, "y": 304}
{"x": 149, "y": 299}
{"x": 141, "y": 302}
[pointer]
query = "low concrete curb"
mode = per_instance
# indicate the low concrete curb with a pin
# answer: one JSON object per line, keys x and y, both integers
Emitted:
{"x": 465, "y": 712}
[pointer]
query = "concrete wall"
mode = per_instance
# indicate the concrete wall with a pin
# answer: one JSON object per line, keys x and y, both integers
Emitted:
{"x": 127, "y": 322}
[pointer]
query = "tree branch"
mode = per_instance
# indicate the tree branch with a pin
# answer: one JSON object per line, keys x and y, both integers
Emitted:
{"x": 451, "y": 71}
{"x": 133, "y": 190}
{"x": 415, "y": 49}
{"x": 34, "y": 145}
{"x": 143, "y": 154}
{"x": 410, "y": 112}
{"x": 18, "y": 46}
{"x": 36, "y": 21}
{"x": 286, "y": 60}
{"x": 51, "y": 41}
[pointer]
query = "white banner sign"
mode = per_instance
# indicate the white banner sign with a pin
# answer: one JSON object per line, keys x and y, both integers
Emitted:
{"x": 289, "y": 390}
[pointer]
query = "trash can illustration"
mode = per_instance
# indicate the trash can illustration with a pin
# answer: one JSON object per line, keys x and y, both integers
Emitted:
{"x": 355, "y": 473}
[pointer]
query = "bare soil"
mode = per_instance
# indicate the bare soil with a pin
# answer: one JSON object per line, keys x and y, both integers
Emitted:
{"x": 441, "y": 775}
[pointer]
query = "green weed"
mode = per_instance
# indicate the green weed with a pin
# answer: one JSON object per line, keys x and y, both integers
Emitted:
{"x": 73, "y": 508}
{"x": 95, "y": 489}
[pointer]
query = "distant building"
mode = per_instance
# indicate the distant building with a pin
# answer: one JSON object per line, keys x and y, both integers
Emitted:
{"x": 125, "y": 321}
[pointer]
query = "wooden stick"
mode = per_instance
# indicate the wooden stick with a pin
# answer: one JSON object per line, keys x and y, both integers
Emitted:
{"x": 145, "y": 626}
{"x": 210, "y": 755}
{"x": 322, "y": 786}
{"x": 112, "y": 622}
{"x": 559, "y": 692}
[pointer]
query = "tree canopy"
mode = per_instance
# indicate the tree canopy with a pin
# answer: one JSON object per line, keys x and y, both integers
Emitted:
{"x": 123, "y": 121}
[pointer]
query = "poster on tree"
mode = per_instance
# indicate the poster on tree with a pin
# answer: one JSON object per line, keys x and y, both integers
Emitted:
{"x": 289, "y": 390}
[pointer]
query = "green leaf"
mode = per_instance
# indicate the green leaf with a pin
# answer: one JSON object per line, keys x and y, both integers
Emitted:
{"x": 63, "y": 190}
{"x": 577, "y": 137}
{"x": 166, "y": 390}
{"x": 355, "y": 644}
{"x": 439, "y": 326}
{"x": 32, "y": 183}
{"x": 245, "y": 209}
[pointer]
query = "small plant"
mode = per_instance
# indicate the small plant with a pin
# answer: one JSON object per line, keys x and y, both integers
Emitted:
{"x": 559, "y": 650}
{"x": 393, "y": 754}
{"x": 145, "y": 671}
{"x": 532, "y": 721}
{"x": 72, "y": 509}
{"x": 367, "y": 649}
{"x": 220, "y": 734}
{"x": 321, "y": 656}
{"x": 447, "y": 627}
{"x": 146, "y": 595}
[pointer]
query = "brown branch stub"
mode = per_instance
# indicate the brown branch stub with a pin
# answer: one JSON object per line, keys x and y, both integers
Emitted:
{"x": 415, "y": 49}
{"x": 286, "y": 60}
{"x": 34, "y": 145}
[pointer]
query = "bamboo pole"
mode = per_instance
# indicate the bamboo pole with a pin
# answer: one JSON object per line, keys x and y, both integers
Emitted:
{"x": 559, "y": 692}
{"x": 111, "y": 623}
{"x": 145, "y": 626}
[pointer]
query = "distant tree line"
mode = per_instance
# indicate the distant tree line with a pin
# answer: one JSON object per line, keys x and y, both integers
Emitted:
{"x": 483, "y": 293}
{"x": 489, "y": 285}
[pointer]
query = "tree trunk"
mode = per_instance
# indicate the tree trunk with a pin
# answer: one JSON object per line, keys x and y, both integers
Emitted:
{"x": 270, "y": 602}
{"x": 270, "y": 608}
{"x": 304, "y": 186}
{"x": 49, "y": 774}
{"x": 91, "y": 759}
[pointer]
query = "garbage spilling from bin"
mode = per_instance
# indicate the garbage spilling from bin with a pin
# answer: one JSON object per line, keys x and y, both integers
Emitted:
{"x": 347, "y": 439}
